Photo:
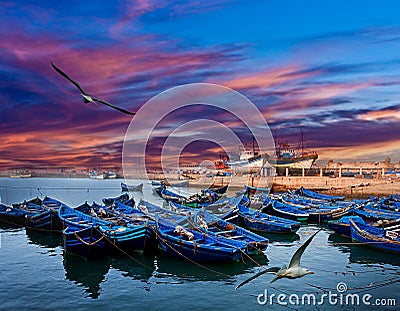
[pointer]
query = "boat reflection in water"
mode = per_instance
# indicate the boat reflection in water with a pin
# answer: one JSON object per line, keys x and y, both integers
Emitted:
{"x": 139, "y": 267}
{"x": 170, "y": 270}
{"x": 365, "y": 255}
{"x": 43, "y": 239}
{"x": 361, "y": 254}
{"x": 280, "y": 237}
{"x": 86, "y": 273}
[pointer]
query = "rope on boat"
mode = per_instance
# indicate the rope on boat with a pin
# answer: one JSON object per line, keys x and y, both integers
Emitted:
{"x": 192, "y": 261}
{"x": 86, "y": 243}
{"x": 123, "y": 252}
{"x": 248, "y": 256}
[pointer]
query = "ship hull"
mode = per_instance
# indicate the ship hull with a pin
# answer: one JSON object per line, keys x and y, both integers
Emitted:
{"x": 247, "y": 166}
{"x": 299, "y": 162}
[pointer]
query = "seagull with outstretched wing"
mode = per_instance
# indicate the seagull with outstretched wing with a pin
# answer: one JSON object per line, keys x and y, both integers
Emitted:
{"x": 86, "y": 97}
{"x": 294, "y": 270}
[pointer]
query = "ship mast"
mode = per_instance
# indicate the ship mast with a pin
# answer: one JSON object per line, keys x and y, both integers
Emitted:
{"x": 302, "y": 140}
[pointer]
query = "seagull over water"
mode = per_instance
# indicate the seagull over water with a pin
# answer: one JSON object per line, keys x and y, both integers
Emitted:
{"x": 294, "y": 270}
{"x": 86, "y": 97}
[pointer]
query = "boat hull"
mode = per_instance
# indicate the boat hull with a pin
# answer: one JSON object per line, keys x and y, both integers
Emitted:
{"x": 373, "y": 237}
{"x": 87, "y": 242}
{"x": 11, "y": 216}
{"x": 196, "y": 253}
{"x": 46, "y": 221}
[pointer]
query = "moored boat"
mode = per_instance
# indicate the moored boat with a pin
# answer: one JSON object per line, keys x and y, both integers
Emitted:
{"x": 123, "y": 198}
{"x": 258, "y": 221}
{"x": 211, "y": 224}
{"x": 42, "y": 215}
{"x": 342, "y": 226}
{"x": 372, "y": 212}
{"x": 315, "y": 195}
{"x": 253, "y": 190}
{"x": 194, "y": 246}
{"x": 387, "y": 239}
{"x": 288, "y": 211}
{"x": 90, "y": 236}
{"x": 12, "y": 216}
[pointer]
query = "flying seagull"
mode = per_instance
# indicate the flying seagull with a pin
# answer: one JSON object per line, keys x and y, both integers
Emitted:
{"x": 86, "y": 97}
{"x": 294, "y": 270}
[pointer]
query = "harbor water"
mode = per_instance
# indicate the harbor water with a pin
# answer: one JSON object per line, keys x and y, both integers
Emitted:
{"x": 36, "y": 273}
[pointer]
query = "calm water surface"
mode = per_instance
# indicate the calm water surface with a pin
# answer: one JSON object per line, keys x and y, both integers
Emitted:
{"x": 35, "y": 273}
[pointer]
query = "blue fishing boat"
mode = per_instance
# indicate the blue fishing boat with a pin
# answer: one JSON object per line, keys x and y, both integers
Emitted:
{"x": 315, "y": 195}
{"x": 387, "y": 239}
{"x": 218, "y": 189}
{"x": 287, "y": 211}
{"x": 258, "y": 221}
{"x": 253, "y": 190}
{"x": 12, "y": 216}
{"x": 186, "y": 218}
{"x": 203, "y": 198}
{"x": 318, "y": 210}
{"x": 127, "y": 216}
{"x": 372, "y": 212}
{"x": 211, "y": 224}
{"x": 158, "y": 189}
{"x": 163, "y": 214}
{"x": 89, "y": 236}
{"x": 342, "y": 226}
{"x": 85, "y": 241}
{"x": 123, "y": 198}
{"x": 42, "y": 215}
{"x": 223, "y": 208}
{"x": 193, "y": 245}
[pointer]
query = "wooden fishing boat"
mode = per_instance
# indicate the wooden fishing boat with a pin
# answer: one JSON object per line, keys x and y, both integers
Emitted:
{"x": 204, "y": 198}
{"x": 258, "y": 221}
{"x": 287, "y": 211}
{"x": 155, "y": 211}
{"x": 123, "y": 198}
{"x": 127, "y": 216}
{"x": 342, "y": 226}
{"x": 222, "y": 208}
{"x": 126, "y": 187}
{"x": 193, "y": 245}
{"x": 212, "y": 224}
{"x": 315, "y": 195}
{"x": 42, "y": 215}
{"x": 182, "y": 183}
{"x": 186, "y": 217}
{"x": 253, "y": 190}
{"x": 387, "y": 239}
{"x": 90, "y": 236}
{"x": 372, "y": 212}
{"x": 218, "y": 189}
{"x": 12, "y": 216}
{"x": 158, "y": 189}
{"x": 318, "y": 210}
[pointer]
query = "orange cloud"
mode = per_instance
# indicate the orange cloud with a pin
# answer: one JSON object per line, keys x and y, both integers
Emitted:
{"x": 269, "y": 78}
{"x": 389, "y": 114}
{"x": 357, "y": 152}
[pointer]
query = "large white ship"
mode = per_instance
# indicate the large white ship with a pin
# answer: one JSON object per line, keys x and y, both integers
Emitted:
{"x": 289, "y": 157}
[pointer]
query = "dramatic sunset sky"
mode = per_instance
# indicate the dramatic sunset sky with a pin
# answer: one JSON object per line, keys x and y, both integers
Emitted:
{"x": 332, "y": 67}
